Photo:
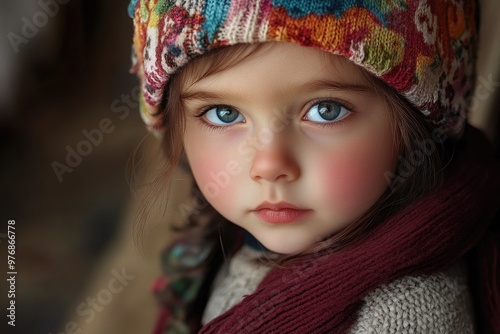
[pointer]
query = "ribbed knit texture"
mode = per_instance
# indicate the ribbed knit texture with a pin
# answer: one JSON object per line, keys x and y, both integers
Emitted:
{"x": 438, "y": 303}
{"x": 420, "y": 239}
{"x": 422, "y": 48}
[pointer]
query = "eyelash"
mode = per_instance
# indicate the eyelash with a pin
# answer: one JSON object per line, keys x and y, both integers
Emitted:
{"x": 342, "y": 103}
{"x": 340, "y": 122}
{"x": 208, "y": 125}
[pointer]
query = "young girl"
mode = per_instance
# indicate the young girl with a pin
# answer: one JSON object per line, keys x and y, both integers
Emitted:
{"x": 333, "y": 134}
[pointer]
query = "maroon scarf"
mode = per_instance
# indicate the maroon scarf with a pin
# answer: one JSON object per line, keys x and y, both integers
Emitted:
{"x": 323, "y": 295}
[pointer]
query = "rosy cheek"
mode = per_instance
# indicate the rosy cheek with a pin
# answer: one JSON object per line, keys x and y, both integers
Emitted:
{"x": 353, "y": 181}
{"x": 216, "y": 165}
{"x": 216, "y": 176}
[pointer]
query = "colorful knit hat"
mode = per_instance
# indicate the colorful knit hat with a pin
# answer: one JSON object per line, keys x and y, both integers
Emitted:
{"x": 423, "y": 48}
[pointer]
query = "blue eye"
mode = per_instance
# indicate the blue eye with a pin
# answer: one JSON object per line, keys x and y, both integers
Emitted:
{"x": 326, "y": 112}
{"x": 223, "y": 115}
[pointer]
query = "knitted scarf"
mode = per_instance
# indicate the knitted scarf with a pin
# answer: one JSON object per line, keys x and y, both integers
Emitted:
{"x": 421, "y": 238}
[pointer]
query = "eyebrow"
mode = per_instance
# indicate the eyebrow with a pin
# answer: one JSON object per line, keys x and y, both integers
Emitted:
{"x": 307, "y": 87}
{"x": 336, "y": 85}
{"x": 201, "y": 95}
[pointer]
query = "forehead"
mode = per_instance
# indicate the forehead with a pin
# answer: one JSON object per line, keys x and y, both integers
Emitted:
{"x": 270, "y": 62}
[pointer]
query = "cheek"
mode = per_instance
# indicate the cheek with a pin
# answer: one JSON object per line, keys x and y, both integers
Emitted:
{"x": 214, "y": 171}
{"x": 353, "y": 177}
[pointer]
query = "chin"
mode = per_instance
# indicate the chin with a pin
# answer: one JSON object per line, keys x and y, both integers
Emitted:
{"x": 285, "y": 248}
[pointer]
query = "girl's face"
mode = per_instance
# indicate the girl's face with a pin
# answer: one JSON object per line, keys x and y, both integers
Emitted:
{"x": 289, "y": 144}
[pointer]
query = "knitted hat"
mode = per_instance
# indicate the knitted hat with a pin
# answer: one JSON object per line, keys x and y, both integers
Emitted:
{"x": 422, "y": 48}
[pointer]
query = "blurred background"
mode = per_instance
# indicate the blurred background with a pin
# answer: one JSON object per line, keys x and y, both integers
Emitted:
{"x": 68, "y": 126}
{"x": 63, "y": 79}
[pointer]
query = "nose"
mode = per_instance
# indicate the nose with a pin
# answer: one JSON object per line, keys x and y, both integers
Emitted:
{"x": 274, "y": 162}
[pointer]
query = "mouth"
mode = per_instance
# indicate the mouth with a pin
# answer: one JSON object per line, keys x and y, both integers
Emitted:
{"x": 280, "y": 213}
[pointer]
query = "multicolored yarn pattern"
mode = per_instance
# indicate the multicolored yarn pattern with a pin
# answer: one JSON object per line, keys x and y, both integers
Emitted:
{"x": 422, "y": 48}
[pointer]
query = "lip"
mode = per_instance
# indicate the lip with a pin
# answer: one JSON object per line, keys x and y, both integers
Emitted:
{"x": 280, "y": 213}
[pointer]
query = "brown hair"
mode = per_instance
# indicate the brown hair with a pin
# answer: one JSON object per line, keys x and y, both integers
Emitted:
{"x": 414, "y": 136}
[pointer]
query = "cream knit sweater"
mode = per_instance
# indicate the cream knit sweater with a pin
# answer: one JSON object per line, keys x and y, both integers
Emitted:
{"x": 438, "y": 303}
